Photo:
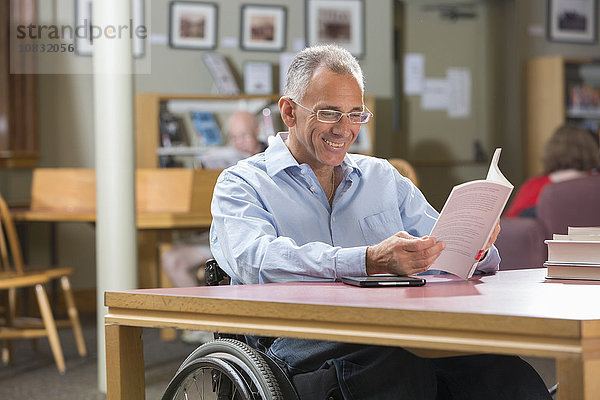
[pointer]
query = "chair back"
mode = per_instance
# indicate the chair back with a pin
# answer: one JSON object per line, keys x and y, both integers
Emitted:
{"x": 158, "y": 190}
{"x": 175, "y": 190}
{"x": 405, "y": 169}
{"x": 9, "y": 242}
{"x": 521, "y": 243}
{"x": 63, "y": 190}
{"x": 574, "y": 202}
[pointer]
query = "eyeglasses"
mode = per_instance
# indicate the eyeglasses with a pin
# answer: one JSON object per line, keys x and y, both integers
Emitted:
{"x": 333, "y": 116}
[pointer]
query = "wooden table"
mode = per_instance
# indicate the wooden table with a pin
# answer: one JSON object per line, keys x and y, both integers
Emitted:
{"x": 513, "y": 312}
{"x": 156, "y": 220}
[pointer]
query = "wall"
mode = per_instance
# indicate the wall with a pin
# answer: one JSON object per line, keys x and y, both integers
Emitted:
{"x": 440, "y": 146}
{"x": 66, "y": 101}
{"x": 505, "y": 40}
{"x": 518, "y": 34}
{"x": 182, "y": 71}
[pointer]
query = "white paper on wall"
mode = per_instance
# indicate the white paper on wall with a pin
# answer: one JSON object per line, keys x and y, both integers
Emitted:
{"x": 414, "y": 73}
{"x": 435, "y": 94}
{"x": 459, "y": 83}
{"x": 285, "y": 59}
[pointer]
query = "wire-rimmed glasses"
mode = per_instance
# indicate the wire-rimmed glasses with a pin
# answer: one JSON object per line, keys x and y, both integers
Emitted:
{"x": 333, "y": 116}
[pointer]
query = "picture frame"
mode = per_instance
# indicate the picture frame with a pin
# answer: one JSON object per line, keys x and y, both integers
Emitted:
{"x": 258, "y": 77}
{"x": 84, "y": 46}
{"x": 192, "y": 25}
{"x": 336, "y": 21}
{"x": 222, "y": 75}
{"x": 572, "y": 21}
{"x": 263, "y": 27}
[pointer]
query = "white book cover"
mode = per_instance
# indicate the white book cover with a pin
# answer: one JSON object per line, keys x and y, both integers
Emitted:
{"x": 573, "y": 271}
{"x": 468, "y": 219}
{"x": 573, "y": 251}
{"x": 577, "y": 238}
{"x": 584, "y": 230}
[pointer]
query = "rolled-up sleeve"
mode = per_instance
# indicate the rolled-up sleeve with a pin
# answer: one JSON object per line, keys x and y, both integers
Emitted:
{"x": 490, "y": 263}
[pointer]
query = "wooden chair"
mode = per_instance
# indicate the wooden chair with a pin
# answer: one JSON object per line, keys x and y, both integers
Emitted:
{"x": 14, "y": 275}
{"x": 405, "y": 169}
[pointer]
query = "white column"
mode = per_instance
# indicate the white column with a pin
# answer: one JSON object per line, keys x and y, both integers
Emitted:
{"x": 116, "y": 248}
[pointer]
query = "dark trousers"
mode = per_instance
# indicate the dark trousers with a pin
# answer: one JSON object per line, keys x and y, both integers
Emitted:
{"x": 380, "y": 373}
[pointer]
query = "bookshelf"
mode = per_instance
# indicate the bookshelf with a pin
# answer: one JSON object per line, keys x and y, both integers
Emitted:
{"x": 147, "y": 120}
{"x": 18, "y": 94}
{"x": 557, "y": 90}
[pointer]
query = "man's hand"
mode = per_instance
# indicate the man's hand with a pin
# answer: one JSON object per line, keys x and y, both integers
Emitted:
{"x": 492, "y": 240}
{"x": 403, "y": 254}
{"x": 493, "y": 237}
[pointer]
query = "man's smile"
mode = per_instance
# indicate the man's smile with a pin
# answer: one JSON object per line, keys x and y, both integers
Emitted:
{"x": 333, "y": 144}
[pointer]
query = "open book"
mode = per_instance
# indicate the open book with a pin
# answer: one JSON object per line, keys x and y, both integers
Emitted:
{"x": 468, "y": 220}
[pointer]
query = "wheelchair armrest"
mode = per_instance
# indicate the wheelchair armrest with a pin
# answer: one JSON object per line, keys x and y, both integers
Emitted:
{"x": 214, "y": 275}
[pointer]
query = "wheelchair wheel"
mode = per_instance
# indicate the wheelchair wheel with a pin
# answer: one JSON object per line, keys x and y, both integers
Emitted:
{"x": 224, "y": 369}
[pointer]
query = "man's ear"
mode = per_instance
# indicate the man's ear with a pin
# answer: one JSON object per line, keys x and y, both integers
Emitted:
{"x": 288, "y": 114}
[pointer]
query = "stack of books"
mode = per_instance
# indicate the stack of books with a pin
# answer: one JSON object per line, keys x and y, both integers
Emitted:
{"x": 575, "y": 255}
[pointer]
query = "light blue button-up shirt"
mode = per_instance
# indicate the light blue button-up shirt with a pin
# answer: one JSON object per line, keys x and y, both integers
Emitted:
{"x": 272, "y": 221}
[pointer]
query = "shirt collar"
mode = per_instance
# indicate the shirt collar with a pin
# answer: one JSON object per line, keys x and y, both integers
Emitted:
{"x": 278, "y": 157}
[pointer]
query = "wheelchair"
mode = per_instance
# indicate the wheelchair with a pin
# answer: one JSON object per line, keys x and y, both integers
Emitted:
{"x": 229, "y": 369}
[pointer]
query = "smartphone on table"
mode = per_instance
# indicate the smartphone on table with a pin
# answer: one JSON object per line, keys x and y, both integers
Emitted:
{"x": 383, "y": 281}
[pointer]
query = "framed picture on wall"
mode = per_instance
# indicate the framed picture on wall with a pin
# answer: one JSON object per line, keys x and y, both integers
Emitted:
{"x": 84, "y": 40}
{"x": 572, "y": 21}
{"x": 336, "y": 21}
{"x": 258, "y": 77}
{"x": 263, "y": 27}
{"x": 192, "y": 25}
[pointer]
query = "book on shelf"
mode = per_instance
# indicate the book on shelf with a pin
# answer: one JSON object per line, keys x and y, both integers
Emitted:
{"x": 170, "y": 130}
{"x": 564, "y": 270}
{"x": 574, "y": 251}
{"x": 468, "y": 219}
{"x": 221, "y": 73}
{"x": 202, "y": 129}
{"x": 584, "y": 97}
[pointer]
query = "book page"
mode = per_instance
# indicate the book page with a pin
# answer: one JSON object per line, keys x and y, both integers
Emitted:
{"x": 468, "y": 220}
{"x": 494, "y": 173}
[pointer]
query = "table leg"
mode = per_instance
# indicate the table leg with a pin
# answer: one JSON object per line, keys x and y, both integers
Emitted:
{"x": 124, "y": 363}
{"x": 578, "y": 379}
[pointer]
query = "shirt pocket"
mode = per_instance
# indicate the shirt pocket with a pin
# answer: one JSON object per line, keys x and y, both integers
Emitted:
{"x": 380, "y": 226}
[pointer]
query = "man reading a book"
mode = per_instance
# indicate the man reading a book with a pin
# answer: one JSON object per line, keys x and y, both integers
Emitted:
{"x": 305, "y": 210}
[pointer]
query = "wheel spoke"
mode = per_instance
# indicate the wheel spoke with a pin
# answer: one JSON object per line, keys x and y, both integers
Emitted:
{"x": 235, "y": 371}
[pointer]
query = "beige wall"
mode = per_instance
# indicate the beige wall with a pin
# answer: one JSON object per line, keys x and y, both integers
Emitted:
{"x": 515, "y": 40}
{"x": 502, "y": 35}
{"x": 182, "y": 71}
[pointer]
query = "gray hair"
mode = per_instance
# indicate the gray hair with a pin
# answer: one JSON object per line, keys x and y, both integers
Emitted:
{"x": 333, "y": 57}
